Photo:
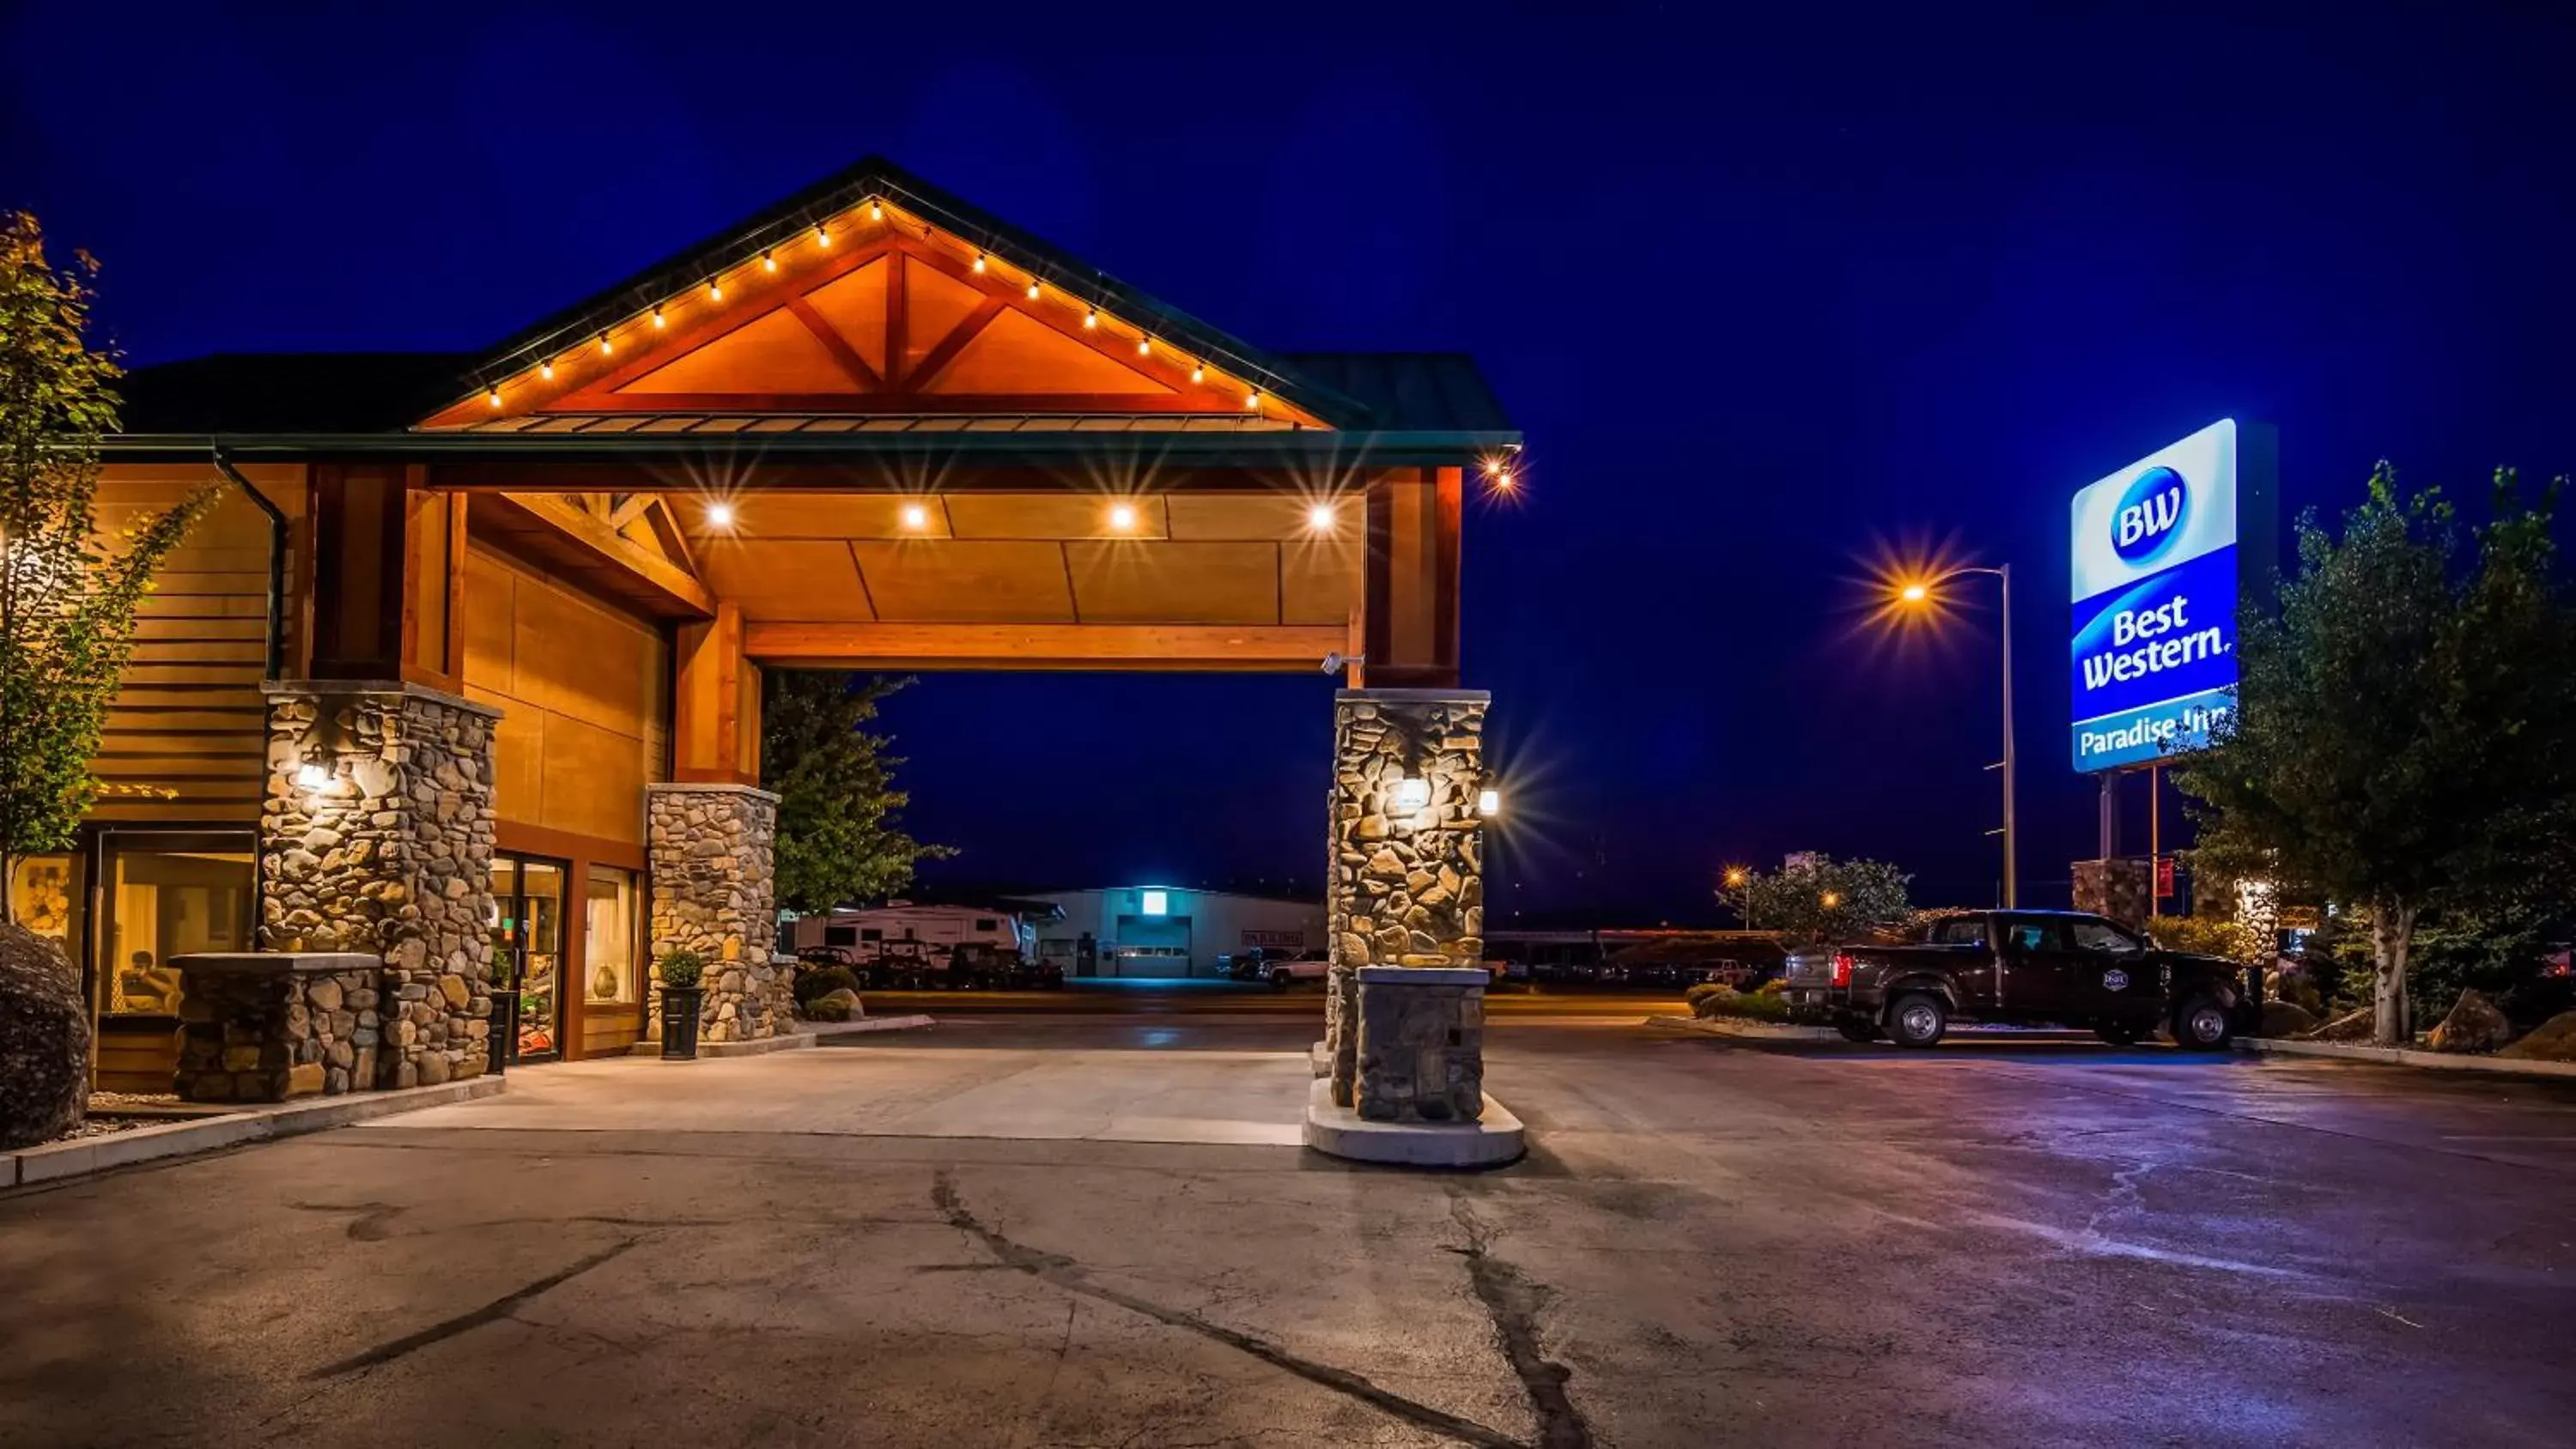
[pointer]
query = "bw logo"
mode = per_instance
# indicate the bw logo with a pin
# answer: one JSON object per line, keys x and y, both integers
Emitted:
{"x": 2150, "y": 515}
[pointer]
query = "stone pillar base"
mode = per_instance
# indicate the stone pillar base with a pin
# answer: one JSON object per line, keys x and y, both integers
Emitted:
{"x": 264, "y": 1027}
{"x": 711, "y": 848}
{"x": 1421, "y": 1044}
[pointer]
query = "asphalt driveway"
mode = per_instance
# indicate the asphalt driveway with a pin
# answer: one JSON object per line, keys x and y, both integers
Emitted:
{"x": 1711, "y": 1244}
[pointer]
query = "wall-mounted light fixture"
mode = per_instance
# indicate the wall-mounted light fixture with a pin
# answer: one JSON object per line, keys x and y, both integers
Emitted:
{"x": 1155, "y": 903}
{"x": 312, "y": 776}
{"x": 1489, "y": 803}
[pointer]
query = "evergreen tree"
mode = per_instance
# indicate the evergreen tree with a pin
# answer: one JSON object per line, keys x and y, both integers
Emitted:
{"x": 840, "y": 835}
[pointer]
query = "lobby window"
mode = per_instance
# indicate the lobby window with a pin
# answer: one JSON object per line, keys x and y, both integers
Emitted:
{"x": 610, "y": 966}
{"x": 165, "y": 903}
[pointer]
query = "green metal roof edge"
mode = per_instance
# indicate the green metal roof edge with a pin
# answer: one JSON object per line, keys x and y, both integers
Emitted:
{"x": 1209, "y": 449}
{"x": 876, "y": 176}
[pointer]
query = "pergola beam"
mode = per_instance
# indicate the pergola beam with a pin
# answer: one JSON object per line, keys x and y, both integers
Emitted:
{"x": 1222, "y": 648}
{"x": 565, "y": 514}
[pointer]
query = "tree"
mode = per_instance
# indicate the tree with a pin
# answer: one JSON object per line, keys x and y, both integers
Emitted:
{"x": 2405, "y": 736}
{"x": 840, "y": 837}
{"x": 68, "y": 596}
{"x": 1813, "y": 897}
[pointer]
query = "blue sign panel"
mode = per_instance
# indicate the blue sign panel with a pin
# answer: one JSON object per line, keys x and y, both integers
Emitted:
{"x": 2152, "y": 656}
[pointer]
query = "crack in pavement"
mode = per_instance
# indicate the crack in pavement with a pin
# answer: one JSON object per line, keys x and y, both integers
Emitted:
{"x": 1068, "y": 1275}
{"x": 498, "y": 1308}
{"x": 1513, "y": 1302}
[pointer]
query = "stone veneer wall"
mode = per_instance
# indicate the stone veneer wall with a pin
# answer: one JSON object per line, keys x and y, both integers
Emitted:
{"x": 711, "y": 848}
{"x": 392, "y": 857}
{"x": 2122, "y": 888}
{"x": 263, "y": 1028}
{"x": 1406, "y": 886}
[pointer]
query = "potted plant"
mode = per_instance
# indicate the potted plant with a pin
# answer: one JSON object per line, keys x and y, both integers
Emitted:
{"x": 680, "y": 996}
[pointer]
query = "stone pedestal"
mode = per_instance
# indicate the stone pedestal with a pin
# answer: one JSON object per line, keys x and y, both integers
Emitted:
{"x": 2122, "y": 888}
{"x": 713, "y": 893}
{"x": 375, "y": 837}
{"x": 266, "y": 1026}
{"x": 1406, "y": 883}
{"x": 1421, "y": 1044}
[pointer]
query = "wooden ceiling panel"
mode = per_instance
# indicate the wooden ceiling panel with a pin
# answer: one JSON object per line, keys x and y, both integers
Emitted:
{"x": 1319, "y": 580}
{"x": 836, "y": 516}
{"x": 1262, "y": 515}
{"x": 1207, "y": 583}
{"x": 1053, "y": 515}
{"x": 950, "y": 580}
{"x": 786, "y": 578}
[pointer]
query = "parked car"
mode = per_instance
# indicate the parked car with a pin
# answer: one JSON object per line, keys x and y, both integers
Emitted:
{"x": 2022, "y": 968}
{"x": 1286, "y": 969}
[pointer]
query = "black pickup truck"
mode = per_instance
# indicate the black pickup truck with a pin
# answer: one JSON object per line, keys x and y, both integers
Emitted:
{"x": 2019, "y": 968}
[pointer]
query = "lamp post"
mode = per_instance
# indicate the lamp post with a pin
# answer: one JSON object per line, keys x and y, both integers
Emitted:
{"x": 1920, "y": 591}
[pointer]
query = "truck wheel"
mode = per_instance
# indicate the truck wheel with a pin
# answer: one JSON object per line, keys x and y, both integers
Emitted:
{"x": 1917, "y": 1020}
{"x": 2117, "y": 1033}
{"x": 2202, "y": 1025}
{"x": 1856, "y": 1029}
{"x": 1279, "y": 980}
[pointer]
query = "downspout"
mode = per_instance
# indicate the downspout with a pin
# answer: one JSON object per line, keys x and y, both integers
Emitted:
{"x": 276, "y": 563}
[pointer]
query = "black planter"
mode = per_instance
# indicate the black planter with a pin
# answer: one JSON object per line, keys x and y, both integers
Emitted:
{"x": 505, "y": 1027}
{"x": 680, "y": 1022}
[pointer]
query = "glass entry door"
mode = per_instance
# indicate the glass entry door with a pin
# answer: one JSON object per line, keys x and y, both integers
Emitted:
{"x": 527, "y": 957}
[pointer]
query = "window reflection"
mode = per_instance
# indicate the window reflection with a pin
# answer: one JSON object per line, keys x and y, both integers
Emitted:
{"x": 608, "y": 939}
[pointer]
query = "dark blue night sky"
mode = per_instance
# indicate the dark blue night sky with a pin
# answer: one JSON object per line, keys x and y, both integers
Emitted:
{"x": 1768, "y": 290}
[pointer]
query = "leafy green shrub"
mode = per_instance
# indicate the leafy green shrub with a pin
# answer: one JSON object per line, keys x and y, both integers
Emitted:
{"x": 820, "y": 1010}
{"x": 681, "y": 969}
{"x": 1694, "y": 995}
{"x": 1745, "y": 1005}
{"x": 822, "y": 981}
{"x": 2201, "y": 935}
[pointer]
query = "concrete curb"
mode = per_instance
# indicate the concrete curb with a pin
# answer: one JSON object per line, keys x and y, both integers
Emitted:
{"x": 2406, "y": 1057}
{"x": 1745, "y": 1030}
{"x": 57, "y": 1161}
{"x": 806, "y": 1034}
{"x": 1340, "y": 1132}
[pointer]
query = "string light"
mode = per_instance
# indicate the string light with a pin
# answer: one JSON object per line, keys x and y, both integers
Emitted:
{"x": 605, "y": 346}
{"x": 1033, "y": 289}
{"x": 1091, "y": 318}
{"x": 768, "y": 263}
{"x": 1252, "y": 400}
{"x": 822, "y": 236}
{"x": 979, "y": 264}
{"x": 495, "y": 395}
{"x": 1144, "y": 345}
{"x": 546, "y": 370}
{"x": 876, "y": 210}
{"x": 657, "y": 316}
{"x": 1198, "y": 372}
{"x": 715, "y": 289}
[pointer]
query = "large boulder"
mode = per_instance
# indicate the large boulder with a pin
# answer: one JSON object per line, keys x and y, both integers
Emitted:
{"x": 2553, "y": 1040}
{"x": 2474, "y": 1025}
{"x": 837, "y": 1005}
{"x": 2283, "y": 1019}
{"x": 44, "y": 1041}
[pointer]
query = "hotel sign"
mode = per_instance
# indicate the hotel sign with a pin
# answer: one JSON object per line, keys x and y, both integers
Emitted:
{"x": 2158, "y": 549}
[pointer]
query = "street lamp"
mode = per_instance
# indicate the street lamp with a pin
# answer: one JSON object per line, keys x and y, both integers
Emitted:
{"x": 1917, "y": 592}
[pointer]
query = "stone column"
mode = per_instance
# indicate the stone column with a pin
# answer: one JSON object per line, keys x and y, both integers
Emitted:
{"x": 376, "y": 837}
{"x": 264, "y": 1026}
{"x": 713, "y": 893}
{"x": 1406, "y": 891}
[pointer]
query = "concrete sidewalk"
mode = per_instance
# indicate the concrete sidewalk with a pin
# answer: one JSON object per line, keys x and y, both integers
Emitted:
{"x": 1032, "y": 1093}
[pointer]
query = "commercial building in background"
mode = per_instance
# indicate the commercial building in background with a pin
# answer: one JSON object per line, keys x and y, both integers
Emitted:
{"x": 1169, "y": 931}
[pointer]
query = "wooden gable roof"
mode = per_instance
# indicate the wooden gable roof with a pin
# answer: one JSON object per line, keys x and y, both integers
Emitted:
{"x": 874, "y": 294}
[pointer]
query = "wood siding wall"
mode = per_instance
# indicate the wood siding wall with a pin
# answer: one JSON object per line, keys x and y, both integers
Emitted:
{"x": 186, "y": 738}
{"x": 583, "y": 689}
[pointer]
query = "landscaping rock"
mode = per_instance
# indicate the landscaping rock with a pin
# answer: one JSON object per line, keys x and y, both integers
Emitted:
{"x": 2352, "y": 1026}
{"x": 2474, "y": 1025}
{"x": 841, "y": 1004}
{"x": 2287, "y": 1019}
{"x": 2553, "y": 1040}
{"x": 44, "y": 1041}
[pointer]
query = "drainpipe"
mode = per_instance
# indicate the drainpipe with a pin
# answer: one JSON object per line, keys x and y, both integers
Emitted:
{"x": 276, "y": 563}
